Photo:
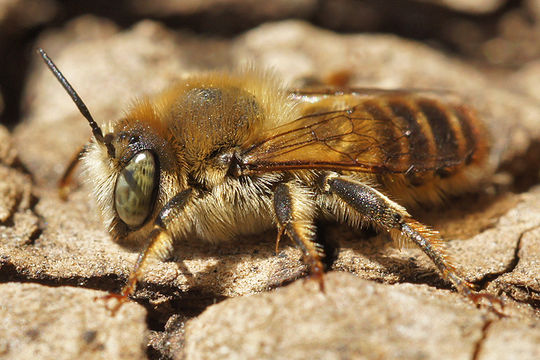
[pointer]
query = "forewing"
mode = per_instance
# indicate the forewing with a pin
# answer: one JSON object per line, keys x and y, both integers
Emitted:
{"x": 380, "y": 131}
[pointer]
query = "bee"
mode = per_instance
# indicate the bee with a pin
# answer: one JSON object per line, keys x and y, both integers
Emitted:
{"x": 220, "y": 155}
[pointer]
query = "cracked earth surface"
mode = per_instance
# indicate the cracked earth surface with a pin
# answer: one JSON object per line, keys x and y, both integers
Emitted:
{"x": 55, "y": 257}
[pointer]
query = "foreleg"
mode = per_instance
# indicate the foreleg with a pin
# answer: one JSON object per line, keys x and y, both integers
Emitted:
{"x": 160, "y": 242}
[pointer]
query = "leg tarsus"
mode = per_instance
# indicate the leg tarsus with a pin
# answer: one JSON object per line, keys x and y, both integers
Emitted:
{"x": 316, "y": 272}
{"x": 129, "y": 287}
{"x": 494, "y": 303}
{"x": 470, "y": 290}
{"x": 478, "y": 298}
{"x": 119, "y": 298}
{"x": 281, "y": 230}
{"x": 160, "y": 244}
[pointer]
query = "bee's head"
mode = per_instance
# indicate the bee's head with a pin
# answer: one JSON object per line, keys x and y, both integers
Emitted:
{"x": 130, "y": 168}
{"x": 131, "y": 187}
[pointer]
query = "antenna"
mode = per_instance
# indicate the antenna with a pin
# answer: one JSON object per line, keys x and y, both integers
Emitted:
{"x": 98, "y": 134}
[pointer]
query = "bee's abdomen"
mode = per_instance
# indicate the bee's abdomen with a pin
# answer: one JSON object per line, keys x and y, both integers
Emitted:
{"x": 436, "y": 147}
{"x": 429, "y": 137}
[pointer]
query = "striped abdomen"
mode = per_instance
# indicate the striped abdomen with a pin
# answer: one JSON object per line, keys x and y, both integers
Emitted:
{"x": 429, "y": 136}
{"x": 444, "y": 150}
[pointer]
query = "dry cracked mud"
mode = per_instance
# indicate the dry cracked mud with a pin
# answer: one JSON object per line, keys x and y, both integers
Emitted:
{"x": 240, "y": 299}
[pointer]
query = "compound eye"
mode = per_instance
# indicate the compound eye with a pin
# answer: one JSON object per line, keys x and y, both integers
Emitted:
{"x": 133, "y": 195}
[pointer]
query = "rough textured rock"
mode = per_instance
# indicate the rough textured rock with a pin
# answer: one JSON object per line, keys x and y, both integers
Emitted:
{"x": 16, "y": 15}
{"x": 522, "y": 283}
{"x": 533, "y": 6}
{"x": 494, "y": 233}
{"x": 473, "y": 7}
{"x": 18, "y": 224}
{"x": 248, "y": 8}
{"x": 8, "y": 153}
{"x": 66, "y": 323}
{"x": 353, "y": 319}
{"x": 510, "y": 338}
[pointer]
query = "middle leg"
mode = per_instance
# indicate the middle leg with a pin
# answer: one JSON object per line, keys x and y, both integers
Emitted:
{"x": 295, "y": 210}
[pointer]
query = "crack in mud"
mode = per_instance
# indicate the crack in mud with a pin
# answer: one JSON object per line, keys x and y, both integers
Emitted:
{"x": 171, "y": 302}
{"x": 534, "y": 296}
{"x": 40, "y": 226}
{"x": 9, "y": 272}
{"x": 488, "y": 278}
{"x": 480, "y": 343}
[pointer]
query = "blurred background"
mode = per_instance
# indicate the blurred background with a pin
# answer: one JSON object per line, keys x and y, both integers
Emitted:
{"x": 497, "y": 37}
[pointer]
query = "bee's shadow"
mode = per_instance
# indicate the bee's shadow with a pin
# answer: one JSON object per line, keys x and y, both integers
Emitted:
{"x": 218, "y": 268}
{"x": 215, "y": 271}
{"x": 223, "y": 266}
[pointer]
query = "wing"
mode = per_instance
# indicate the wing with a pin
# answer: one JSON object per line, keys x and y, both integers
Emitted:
{"x": 370, "y": 130}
